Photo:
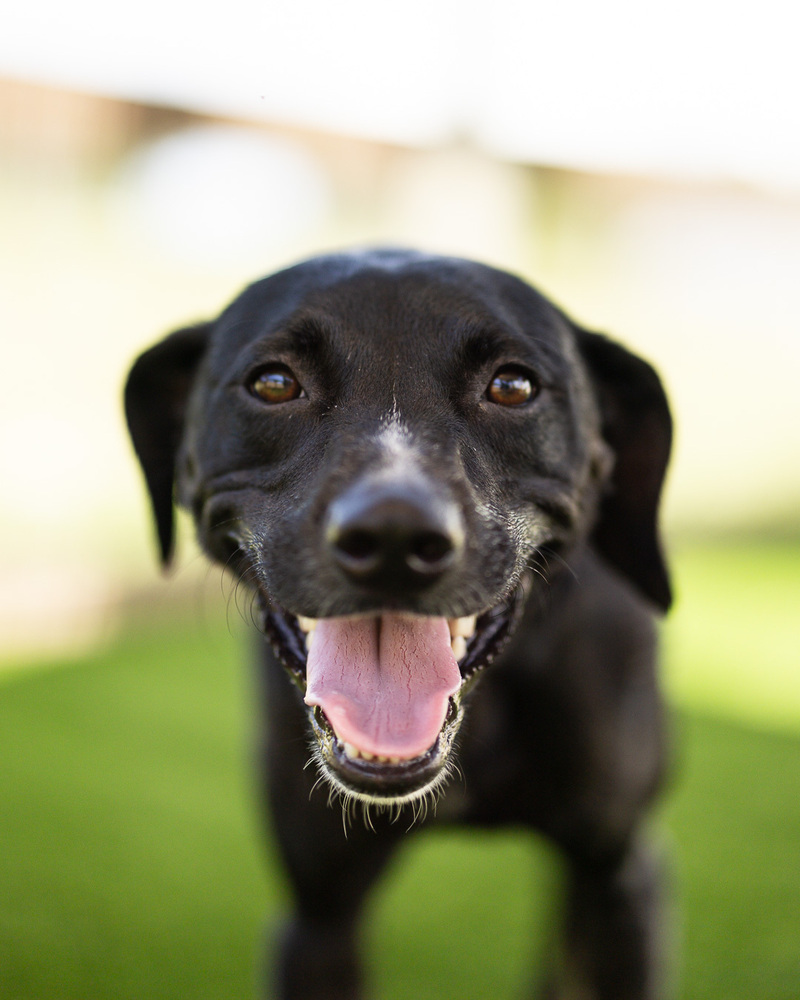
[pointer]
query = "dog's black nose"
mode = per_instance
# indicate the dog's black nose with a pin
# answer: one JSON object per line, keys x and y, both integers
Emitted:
{"x": 394, "y": 535}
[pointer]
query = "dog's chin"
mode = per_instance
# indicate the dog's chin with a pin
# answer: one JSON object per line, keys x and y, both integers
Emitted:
{"x": 384, "y": 783}
{"x": 389, "y": 780}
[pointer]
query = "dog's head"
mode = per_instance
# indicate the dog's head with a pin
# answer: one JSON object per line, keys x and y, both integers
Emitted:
{"x": 385, "y": 446}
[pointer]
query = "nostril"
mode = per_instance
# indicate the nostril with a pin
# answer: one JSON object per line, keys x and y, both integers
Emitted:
{"x": 430, "y": 550}
{"x": 358, "y": 544}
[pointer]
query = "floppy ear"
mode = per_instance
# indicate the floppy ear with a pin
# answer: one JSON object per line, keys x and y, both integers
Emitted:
{"x": 156, "y": 395}
{"x": 636, "y": 423}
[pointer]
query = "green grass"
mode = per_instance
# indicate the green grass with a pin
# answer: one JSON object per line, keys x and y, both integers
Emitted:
{"x": 132, "y": 864}
{"x": 733, "y": 638}
{"x": 129, "y": 865}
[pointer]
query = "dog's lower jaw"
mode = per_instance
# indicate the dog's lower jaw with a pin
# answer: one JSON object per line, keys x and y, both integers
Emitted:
{"x": 385, "y": 785}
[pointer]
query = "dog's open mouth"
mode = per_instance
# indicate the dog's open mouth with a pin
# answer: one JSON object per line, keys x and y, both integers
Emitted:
{"x": 384, "y": 692}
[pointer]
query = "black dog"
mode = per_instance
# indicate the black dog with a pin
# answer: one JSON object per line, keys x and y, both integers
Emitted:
{"x": 415, "y": 463}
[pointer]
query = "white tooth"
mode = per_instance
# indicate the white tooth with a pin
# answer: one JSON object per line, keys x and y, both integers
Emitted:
{"x": 307, "y": 624}
{"x": 393, "y": 760}
{"x": 350, "y": 750}
{"x": 367, "y": 755}
{"x": 463, "y": 626}
{"x": 309, "y": 639}
{"x": 382, "y": 759}
{"x": 459, "y": 646}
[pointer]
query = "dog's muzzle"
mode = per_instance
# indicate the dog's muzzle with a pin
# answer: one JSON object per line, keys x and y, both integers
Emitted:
{"x": 385, "y": 693}
{"x": 384, "y": 689}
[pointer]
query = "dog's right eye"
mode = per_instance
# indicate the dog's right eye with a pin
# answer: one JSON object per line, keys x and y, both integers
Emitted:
{"x": 275, "y": 385}
{"x": 511, "y": 387}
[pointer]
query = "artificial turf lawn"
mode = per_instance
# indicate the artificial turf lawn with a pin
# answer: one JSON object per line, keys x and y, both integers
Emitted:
{"x": 132, "y": 866}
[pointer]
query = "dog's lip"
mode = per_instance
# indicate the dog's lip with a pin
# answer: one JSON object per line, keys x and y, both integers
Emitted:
{"x": 493, "y": 626}
{"x": 461, "y": 629}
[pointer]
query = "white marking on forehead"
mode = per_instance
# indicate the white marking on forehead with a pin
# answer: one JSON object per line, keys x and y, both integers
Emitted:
{"x": 395, "y": 441}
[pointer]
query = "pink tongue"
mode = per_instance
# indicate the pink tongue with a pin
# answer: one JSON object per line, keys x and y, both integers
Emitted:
{"x": 383, "y": 683}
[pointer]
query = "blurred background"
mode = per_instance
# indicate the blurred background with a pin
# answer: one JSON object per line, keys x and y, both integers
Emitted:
{"x": 638, "y": 163}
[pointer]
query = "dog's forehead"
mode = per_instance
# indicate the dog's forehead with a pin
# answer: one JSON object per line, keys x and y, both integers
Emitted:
{"x": 403, "y": 299}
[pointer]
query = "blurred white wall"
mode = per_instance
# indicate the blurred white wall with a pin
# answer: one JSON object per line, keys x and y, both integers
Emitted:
{"x": 646, "y": 207}
{"x": 698, "y": 88}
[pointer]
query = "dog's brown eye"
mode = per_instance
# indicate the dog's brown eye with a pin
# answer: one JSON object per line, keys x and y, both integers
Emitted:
{"x": 511, "y": 387}
{"x": 276, "y": 385}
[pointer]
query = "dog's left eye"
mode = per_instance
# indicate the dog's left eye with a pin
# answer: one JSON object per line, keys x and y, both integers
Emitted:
{"x": 511, "y": 387}
{"x": 276, "y": 385}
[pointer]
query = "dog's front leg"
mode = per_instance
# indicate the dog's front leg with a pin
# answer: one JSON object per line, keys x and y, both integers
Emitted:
{"x": 317, "y": 962}
{"x": 613, "y": 936}
{"x": 318, "y": 957}
{"x": 331, "y": 859}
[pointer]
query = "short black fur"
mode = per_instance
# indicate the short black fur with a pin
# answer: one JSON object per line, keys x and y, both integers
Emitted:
{"x": 394, "y": 485}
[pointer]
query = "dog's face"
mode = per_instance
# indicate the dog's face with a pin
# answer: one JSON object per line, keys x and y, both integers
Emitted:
{"x": 385, "y": 447}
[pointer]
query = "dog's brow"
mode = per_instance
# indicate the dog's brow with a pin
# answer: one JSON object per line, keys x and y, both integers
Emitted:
{"x": 303, "y": 335}
{"x": 478, "y": 347}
